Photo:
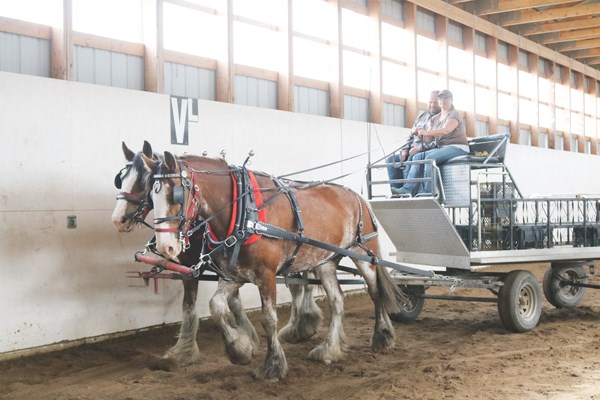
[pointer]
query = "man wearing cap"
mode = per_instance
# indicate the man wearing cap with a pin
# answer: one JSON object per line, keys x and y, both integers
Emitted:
{"x": 414, "y": 144}
{"x": 448, "y": 128}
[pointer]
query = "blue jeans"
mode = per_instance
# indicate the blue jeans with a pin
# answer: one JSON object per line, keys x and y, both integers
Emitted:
{"x": 393, "y": 172}
{"x": 440, "y": 156}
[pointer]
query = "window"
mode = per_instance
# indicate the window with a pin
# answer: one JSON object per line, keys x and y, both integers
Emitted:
{"x": 189, "y": 81}
{"x": 559, "y": 142}
{"x": 108, "y": 68}
{"x": 523, "y": 59}
{"x": 116, "y": 19}
{"x": 45, "y": 12}
{"x": 356, "y": 108}
{"x": 256, "y": 92}
{"x": 542, "y": 67}
{"x": 543, "y": 140}
{"x": 393, "y": 114}
{"x": 393, "y": 9}
{"x": 480, "y": 42}
{"x": 311, "y": 59}
{"x": 502, "y": 52}
{"x": 425, "y": 20}
{"x": 24, "y": 55}
{"x": 573, "y": 79}
{"x": 574, "y": 144}
{"x": 257, "y": 46}
{"x": 183, "y": 26}
{"x": 587, "y": 83}
{"x": 455, "y": 32}
{"x": 482, "y": 128}
{"x": 558, "y": 75}
{"x": 311, "y": 101}
{"x": 503, "y": 129}
{"x": 525, "y": 137}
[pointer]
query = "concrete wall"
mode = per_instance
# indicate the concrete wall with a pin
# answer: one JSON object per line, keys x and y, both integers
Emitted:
{"x": 61, "y": 149}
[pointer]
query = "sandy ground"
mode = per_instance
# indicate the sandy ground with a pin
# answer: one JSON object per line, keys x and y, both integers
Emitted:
{"x": 455, "y": 350}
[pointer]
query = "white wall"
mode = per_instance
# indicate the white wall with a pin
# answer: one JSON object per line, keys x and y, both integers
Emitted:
{"x": 61, "y": 149}
{"x": 61, "y": 145}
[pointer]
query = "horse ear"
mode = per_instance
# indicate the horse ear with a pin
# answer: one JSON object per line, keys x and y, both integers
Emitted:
{"x": 129, "y": 155}
{"x": 147, "y": 149}
{"x": 170, "y": 161}
{"x": 149, "y": 163}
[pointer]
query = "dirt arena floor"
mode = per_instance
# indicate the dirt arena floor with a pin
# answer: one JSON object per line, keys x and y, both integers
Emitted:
{"x": 455, "y": 350}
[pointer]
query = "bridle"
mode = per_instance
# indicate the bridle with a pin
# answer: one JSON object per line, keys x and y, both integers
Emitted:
{"x": 142, "y": 200}
{"x": 188, "y": 213}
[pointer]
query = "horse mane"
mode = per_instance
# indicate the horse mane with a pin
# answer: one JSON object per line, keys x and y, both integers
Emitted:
{"x": 213, "y": 162}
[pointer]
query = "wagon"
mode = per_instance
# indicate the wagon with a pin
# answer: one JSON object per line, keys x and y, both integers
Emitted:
{"x": 475, "y": 218}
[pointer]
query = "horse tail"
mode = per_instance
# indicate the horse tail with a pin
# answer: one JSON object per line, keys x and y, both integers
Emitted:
{"x": 390, "y": 295}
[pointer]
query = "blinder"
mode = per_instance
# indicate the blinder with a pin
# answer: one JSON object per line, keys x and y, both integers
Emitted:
{"x": 118, "y": 180}
{"x": 121, "y": 174}
{"x": 179, "y": 194}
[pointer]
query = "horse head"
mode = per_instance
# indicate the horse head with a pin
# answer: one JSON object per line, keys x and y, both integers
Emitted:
{"x": 173, "y": 195}
{"x": 132, "y": 202}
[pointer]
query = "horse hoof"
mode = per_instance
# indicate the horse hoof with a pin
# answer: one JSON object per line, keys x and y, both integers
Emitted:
{"x": 163, "y": 364}
{"x": 240, "y": 353}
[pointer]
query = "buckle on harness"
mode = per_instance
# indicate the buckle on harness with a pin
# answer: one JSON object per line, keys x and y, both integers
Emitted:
{"x": 230, "y": 241}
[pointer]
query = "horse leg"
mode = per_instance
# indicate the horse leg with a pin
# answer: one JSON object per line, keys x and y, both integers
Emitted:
{"x": 241, "y": 318}
{"x": 333, "y": 347}
{"x": 238, "y": 345}
{"x": 384, "y": 293}
{"x": 185, "y": 351}
{"x": 275, "y": 365}
{"x": 305, "y": 315}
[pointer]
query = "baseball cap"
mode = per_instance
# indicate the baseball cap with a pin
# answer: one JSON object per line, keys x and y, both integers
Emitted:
{"x": 445, "y": 94}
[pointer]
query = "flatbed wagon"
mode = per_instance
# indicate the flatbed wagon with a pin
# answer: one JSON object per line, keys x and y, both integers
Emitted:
{"x": 477, "y": 218}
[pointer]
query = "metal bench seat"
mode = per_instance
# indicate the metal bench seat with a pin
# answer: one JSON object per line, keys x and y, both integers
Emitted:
{"x": 484, "y": 150}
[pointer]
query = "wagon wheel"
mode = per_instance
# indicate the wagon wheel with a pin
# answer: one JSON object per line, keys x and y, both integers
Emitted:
{"x": 520, "y": 301}
{"x": 412, "y": 309}
{"x": 557, "y": 289}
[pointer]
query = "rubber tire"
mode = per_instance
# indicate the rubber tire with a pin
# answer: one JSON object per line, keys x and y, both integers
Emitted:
{"x": 566, "y": 296}
{"x": 520, "y": 301}
{"x": 413, "y": 310}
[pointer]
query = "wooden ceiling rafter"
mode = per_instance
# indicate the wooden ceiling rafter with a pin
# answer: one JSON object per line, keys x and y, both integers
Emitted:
{"x": 550, "y": 27}
{"x": 529, "y": 16}
{"x": 488, "y": 7}
{"x": 569, "y": 27}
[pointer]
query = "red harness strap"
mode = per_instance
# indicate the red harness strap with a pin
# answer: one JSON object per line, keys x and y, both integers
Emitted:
{"x": 262, "y": 213}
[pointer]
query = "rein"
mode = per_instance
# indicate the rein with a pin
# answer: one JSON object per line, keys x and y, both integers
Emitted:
{"x": 246, "y": 224}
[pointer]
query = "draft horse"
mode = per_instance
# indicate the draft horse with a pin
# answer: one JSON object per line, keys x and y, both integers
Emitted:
{"x": 132, "y": 207}
{"x": 230, "y": 201}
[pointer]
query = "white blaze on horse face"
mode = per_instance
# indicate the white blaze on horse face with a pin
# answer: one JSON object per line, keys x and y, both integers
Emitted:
{"x": 167, "y": 243}
{"x": 124, "y": 210}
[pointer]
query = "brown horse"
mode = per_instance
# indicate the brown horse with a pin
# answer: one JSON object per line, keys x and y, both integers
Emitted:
{"x": 193, "y": 188}
{"x": 131, "y": 209}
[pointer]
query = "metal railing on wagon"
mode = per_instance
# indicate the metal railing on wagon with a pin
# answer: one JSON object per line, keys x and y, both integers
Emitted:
{"x": 476, "y": 218}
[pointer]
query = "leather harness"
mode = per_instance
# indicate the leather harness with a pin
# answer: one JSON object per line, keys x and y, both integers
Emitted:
{"x": 248, "y": 224}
